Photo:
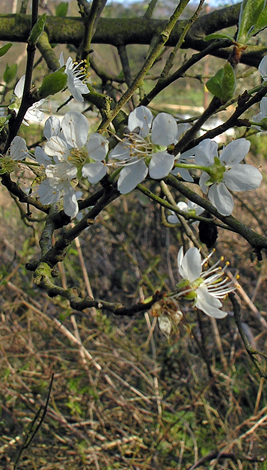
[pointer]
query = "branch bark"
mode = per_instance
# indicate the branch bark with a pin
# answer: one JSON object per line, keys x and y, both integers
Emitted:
{"x": 123, "y": 31}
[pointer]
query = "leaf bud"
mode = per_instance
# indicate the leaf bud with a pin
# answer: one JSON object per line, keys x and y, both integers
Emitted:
{"x": 52, "y": 84}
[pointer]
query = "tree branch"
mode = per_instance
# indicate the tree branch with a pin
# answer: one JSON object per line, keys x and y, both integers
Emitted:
{"x": 123, "y": 31}
{"x": 258, "y": 242}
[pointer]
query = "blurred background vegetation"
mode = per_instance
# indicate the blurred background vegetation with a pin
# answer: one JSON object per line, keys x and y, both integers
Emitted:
{"x": 123, "y": 396}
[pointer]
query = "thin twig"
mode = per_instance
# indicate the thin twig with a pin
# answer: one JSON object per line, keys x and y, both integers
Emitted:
{"x": 33, "y": 430}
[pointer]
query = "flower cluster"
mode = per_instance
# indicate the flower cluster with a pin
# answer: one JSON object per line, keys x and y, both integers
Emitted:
{"x": 68, "y": 155}
{"x": 145, "y": 150}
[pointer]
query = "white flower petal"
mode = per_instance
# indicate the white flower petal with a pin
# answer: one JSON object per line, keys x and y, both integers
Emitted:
{"x": 47, "y": 194}
{"x": 185, "y": 207}
{"x": 57, "y": 147}
{"x": 263, "y": 105}
{"x": 183, "y": 127}
{"x": 164, "y": 130}
{"x": 263, "y": 67}
{"x": 97, "y": 146}
{"x": 76, "y": 87}
{"x": 60, "y": 173}
{"x": 208, "y": 303}
{"x": 160, "y": 165}
{"x": 189, "y": 265}
{"x": 61, "y": 59}
{"x": 75, "y": 129}
{"x": 202, "y": 182}
{"x": 258, "y": 118}
{"x": 206, "y": 287}
{"x": 180, "y": 258}
{"x": 193, "y": 206}
{"x": 234, "y": 152}
{"x": 50, "y": 192}
{"x": 51, "y": 127}
{"x": 34, "y": 114}
{"x": 131, "y": 176}
{"x": 71, "y": 207}
{"x": 41, "y": 157}
{"x": 205, "y": 152}
{"x": 189, "y": 154}
{"x": 18, "y": 149}
{"x": 172, "y": 219}
{"x": 220, "y": 197}
{"x": 121, "y": 151}
{"x": 242, "y": 178}
{"x": 20, "y": 87}
{"x": 140, "y": 117}
{"x": 183, "y": 173}
{"x": 94, "y": 172}
{"x": 182, "y": 206}
{"x": 203, "y": 293}
{"x": 69, "y": 64}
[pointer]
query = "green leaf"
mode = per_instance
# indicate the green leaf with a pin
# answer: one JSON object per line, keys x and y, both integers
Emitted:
{"x": 261, "y": 22}
{"x": 223, "y": 84}
{"x": 4, "y": 49}
{"x": 53, "y": 83}
{"x": 250, "y": 14}
{"x": 10, "y": 73}
{"x": 228, "y": 82}
{"x": 62, "y": 9}
{"x": 37, "y": 29}
{"x": 214, "y": 84}
{"x": 218, "y": 36}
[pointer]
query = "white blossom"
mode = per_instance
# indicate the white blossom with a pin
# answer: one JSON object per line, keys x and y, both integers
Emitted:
{"x": 225, "y": 171}
{"x": 33, "y": 113}
{"x": 75, "y": 80}
{"x": 138, "y": 153}
{"x": 204, "y": 287}
{"x": 67, "y": 156}
{"x": 73, "y": 146}
{"x": 189, "y": 207}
